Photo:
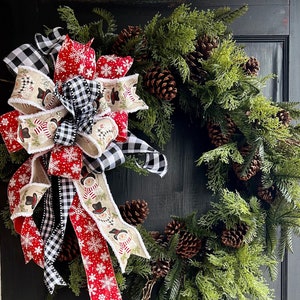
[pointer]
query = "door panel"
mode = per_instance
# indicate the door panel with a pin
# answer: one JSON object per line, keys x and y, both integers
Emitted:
{"x": 265, "y": 31}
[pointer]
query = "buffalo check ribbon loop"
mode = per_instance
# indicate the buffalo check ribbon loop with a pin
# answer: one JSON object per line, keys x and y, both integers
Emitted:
{"x": 79, "y": 97}
{"x": 35, "y": 55}
{"x": 74, "y": 130}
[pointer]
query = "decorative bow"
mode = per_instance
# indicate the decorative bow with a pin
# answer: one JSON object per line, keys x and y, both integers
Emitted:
{"x": 56, "y": 123}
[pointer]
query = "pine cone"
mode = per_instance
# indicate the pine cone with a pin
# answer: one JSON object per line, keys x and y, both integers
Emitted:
{"x": 215, "y": 134}
{"x": 234, "y": 237}
{"x": 266, "y": 194}
{"x": 173, "y": 227}
{"x": 203, "y": 49}
{"x": 252, "y": 66}
{"x": 161, "y": 83}
{"x": 188, "y": 245}
{"x": 127, "y": 34}
{"x": 159, "y": 238}
{"x": 134, "y": 212}
{"x": 254, "y": 166}
{"x": 70, "y": 247}
{"x": 160, "y": 267}
{"x": 284, "y": 117}
{"x": 205, "y": 45}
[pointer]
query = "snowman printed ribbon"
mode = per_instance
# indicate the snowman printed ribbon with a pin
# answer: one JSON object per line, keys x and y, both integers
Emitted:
{"x": 74, "y": 128}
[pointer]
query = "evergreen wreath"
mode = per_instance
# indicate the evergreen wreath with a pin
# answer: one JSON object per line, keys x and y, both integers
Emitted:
{"x": 189, "y": 61}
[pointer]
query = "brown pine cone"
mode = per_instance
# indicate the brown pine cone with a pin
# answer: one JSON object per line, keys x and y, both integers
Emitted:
{"x": 234, "y": 237}
{"x": 160, "y": 83}
{"x": 160, "y": 267}
{"x": 284, "y": 117}
{"x": 215, "y": 134}
{"x": 266, "y": 194}
{"x": 188, "y": 245}
{"x": 254, "y": 166}
{"x": 203, "y": 49}
{"x": 159, "y": 238}
{"x": 173, "y": 227}
{"x": 134, "y": 212}
{"x": 138, "y": 50}
{"x": 205, "y": 45}
{"x": 252, "y": 66}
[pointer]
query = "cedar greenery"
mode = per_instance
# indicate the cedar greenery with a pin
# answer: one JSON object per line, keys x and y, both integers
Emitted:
{"x": 217, "y": 271}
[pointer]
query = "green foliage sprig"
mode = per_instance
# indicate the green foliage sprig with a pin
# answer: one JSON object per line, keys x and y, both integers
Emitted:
{"x": 253, "y": 173}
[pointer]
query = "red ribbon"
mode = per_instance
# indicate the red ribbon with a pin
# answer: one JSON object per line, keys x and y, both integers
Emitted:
{"x": 31, "y": 240}
{"x": 73, "y": 59}
{"x": 95, "y": 255}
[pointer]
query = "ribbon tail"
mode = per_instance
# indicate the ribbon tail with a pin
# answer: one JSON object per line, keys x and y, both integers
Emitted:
{"x": 31, "y": 242}
{"x": 110, "y": 159}
{"x": 53, "y": 244}
{"x": 155, "y": 162}
{"x": 95, "y": 254}
{"x": 123, "y": 238}
{"x": 21, "y": 208}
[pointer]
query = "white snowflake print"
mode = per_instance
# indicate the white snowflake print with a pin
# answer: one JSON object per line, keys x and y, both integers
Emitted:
{"x": 76, "y": 168}
{"x": 4, "y": 122}
{"x": 104, "y": 256}
{"x": 94, "y": 244}
{"x": 102, "y": 297}
{"x": 65, "y": 44}
{"x": 12, "y": 182}
{"x": 127, "y": 63}
{"x": 86, "y": 261}
{"x": 76, "y": 55}
{"x": 11, "y": 197}
{"x": 81, "y": 68}
{"x": 89, "y": 73}
{"x": 90, "y": 227}
{"x": 60, "y": 66}
{"x": 101, "y": 268}
{"x": 81, "y": 244}
{"x": 119, "y": 70}
{"x": 70, "y": 154}
{"x": 53, "y": 166}
{"x": 10, "y": 135}
{"x": 77, "y": 211}
{"x": 26, "y": 240}
{"x": 79, "y": 229}
{"x": 107, "y": 282}
{"x": 92, "y": 277}
{"x": 38, "y": 250}
{"x": 92, "y": 289}
{"x": 31, "y": 223}
{"x": 23, "y": 179}
{"x": 106, "y": 70}
{"x": 112, "y": 58}
{"x": 29, "y": 255}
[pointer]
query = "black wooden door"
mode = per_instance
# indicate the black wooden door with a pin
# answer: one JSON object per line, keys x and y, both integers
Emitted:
{"x": 269, "y": 32}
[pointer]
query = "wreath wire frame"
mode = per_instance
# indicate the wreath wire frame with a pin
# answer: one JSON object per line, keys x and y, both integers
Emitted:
{"x": 189, "y": 61}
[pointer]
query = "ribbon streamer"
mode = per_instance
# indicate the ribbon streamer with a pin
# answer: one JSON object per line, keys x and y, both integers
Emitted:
{"x": 75, "y": 129}
{"x": 31, "y": 56}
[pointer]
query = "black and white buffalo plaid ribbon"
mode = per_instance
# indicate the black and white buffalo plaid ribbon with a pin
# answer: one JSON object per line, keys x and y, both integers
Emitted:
{"x": 78, "y": 95}
{"x": 155, "y": 162}
{"x": 35, "y": 55}
{"x": 54, "y": 241}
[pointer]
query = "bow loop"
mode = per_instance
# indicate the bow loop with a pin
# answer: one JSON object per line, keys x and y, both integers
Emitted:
{"x": 78, "y": 95}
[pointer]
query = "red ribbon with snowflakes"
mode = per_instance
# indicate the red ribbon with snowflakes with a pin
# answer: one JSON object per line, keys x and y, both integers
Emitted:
{"x": 34, "y": 125}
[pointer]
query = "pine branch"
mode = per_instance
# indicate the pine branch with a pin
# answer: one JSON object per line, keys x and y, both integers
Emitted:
{"x": 172, "y": 282}
{"x": 228, "y": 16}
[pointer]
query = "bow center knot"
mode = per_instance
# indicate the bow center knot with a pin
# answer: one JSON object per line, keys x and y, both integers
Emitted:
{"x": 79, "y": 96}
